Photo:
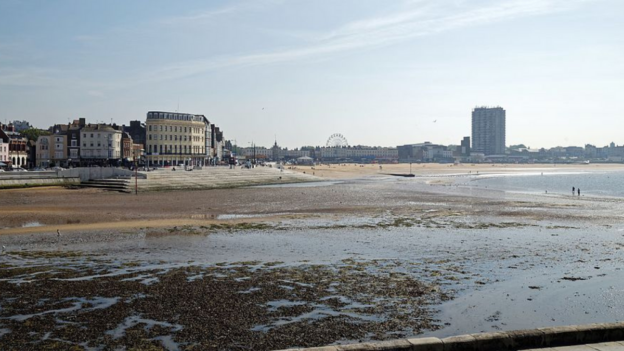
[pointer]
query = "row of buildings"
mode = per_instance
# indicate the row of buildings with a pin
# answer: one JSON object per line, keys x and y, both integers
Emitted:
{"x": 14, "y": 148}
{"x": 164, "y": 139}
{"x": 323, "y": 154}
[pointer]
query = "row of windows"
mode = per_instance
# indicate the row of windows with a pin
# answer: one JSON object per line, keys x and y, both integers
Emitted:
{"x": 57, "y": 155}
{"x": 174, "y": 116}
{"x": 173, "y": 149}
{"x": 98, "y": 145}
{"x": 174, "y": 137}
{"x": 99, "y": 153}
{"x": 92, "y": 134}
{"x": 174, "y": 129}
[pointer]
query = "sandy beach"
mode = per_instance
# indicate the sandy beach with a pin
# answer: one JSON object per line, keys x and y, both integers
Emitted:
{"x": 358, "y": 256}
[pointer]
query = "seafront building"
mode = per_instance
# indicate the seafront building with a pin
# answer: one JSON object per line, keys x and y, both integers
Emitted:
{"x": 51, "y": 150}
{"x": 18, "y": 147}
{"x": 175, "y": 138}
{"x": 357, "y": 154}
{"x": 101, "y": 145}
{"x": 424, "y": 152}
{"x": 488, "y": 130}
{"x": 4, "y": 148}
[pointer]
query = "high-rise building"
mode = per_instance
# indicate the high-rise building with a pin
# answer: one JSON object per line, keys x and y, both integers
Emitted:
{"x": 488, "y": 130}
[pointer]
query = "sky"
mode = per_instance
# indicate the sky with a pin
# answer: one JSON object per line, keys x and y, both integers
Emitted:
{"x": 382, "y": 73}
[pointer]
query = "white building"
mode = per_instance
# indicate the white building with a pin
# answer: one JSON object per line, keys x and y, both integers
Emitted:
{"x": 100, "y": 144}
{"x": 259, "y": 152}
{"x": 357, "y": 153}
{"x": 4, "y": 148}
{"x": 175, "y": 138}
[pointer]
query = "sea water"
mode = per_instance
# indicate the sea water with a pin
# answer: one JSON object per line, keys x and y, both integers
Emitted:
{"x": 590, "y": 183}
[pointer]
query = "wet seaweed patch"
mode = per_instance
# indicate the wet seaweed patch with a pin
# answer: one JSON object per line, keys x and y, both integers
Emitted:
{"x": 485, "y": 225}
{"x": 53, "y": 254}
{"x": 262, "y": 305}
{"x": 429, "y": 221}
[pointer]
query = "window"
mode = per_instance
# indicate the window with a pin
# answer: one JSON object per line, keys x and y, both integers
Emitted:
{"x": 84, "y": 135}
{"x": 92, "y": 135}
{"x": 150, "y": 128}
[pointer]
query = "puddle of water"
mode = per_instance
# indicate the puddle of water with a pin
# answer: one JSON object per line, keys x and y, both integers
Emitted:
{"x": 4, "y": 332}
{"x": 98, "y": 303}
{"x": 130, "y": 322}
{"x": 319, "y": 313}
{"x": 299, "y": 185}
{"x": 168, "y": 343}
{"x": 32, "y": 224}
{"x": 275, "y": 305}
{"x": 246, "y": 216}
{"x": 249, "y": 291}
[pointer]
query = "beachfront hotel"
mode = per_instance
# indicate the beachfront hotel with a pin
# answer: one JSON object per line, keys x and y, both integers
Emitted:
{"x": 175, "y": 139}
{"x": 488, "y": 130}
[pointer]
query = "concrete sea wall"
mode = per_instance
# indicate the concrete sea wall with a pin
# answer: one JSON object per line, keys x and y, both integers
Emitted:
{"x": 499, "y": 341}
{"x": 10, "y": 180}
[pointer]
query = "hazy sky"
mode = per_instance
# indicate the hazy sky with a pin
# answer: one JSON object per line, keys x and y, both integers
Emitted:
{"x": 379, "y": 72}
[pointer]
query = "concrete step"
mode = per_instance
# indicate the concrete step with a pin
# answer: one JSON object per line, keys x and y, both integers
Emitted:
{"x": 107, "y": 184}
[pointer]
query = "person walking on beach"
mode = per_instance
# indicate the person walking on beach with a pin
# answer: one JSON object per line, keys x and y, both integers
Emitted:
{"x": 579, "y": 191}
{"x": 572, "y": 190}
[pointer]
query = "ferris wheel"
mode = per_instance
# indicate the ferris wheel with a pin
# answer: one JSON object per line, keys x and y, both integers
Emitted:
{"x": 337, "y": 140}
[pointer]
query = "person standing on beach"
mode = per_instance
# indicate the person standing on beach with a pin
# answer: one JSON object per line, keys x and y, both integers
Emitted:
{"x": 572, "y": 190}
{"x": 579, "y": 191}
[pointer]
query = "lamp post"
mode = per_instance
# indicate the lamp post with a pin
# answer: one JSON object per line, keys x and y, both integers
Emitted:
{"x": 136, "y": 172}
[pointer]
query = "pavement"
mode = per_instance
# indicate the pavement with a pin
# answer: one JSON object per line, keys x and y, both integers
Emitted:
{"x": 605, "y": 346}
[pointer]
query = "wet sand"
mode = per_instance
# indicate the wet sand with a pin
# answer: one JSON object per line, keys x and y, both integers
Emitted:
{"x": 350, "y": 170}
{"x": 264, "y": 268}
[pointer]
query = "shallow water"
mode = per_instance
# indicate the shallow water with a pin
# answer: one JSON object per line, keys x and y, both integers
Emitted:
{"x": 590, "y": 183}
{"x": 491, "y": 269}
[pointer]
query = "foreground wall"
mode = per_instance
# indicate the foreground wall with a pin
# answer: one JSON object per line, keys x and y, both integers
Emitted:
{"x": 32, "y": 179}
{"x": 504, "y": 341}
{"x": 89, "y": 173}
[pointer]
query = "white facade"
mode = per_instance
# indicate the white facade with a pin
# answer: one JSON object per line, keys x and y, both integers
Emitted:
{"x": 175, "y": 138}
{"x": 4, "y": 152}
{"x": 260, "y": 152}
{"x": 100, "y": 142}
{"x": 357, "y": 152}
